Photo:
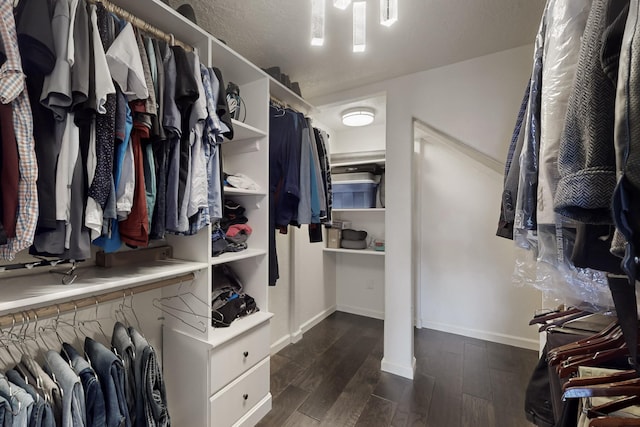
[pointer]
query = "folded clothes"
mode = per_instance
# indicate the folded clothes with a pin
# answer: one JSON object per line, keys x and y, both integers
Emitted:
{"x": 240, "y": 180}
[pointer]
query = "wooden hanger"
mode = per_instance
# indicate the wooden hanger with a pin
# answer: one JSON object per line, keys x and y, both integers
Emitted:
{"x": 606, "y": 379}
{"x": 614, "y": 422}
{"x": 621, "y": 388}
{"x": 613, "y": 406}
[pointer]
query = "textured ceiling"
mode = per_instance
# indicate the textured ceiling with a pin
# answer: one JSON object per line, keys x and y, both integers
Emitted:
{"x": 428, "y": 34}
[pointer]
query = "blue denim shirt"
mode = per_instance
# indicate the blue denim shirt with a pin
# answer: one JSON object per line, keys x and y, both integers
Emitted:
{"x": 94, "y": 399}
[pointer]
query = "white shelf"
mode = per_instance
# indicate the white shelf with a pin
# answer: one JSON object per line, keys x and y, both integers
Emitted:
{"x": 243, "y": 132}
{"x": 380, "y": 160}
{"x": 286, "y": 95}
{"x": 238, "y": 326}
{"x": 359, "y": 210}
{"x": 235, "y": 256}
{"x": 25, "y": 292}
{"x": 355, "y": 251}
{"x": 232, "y": 191}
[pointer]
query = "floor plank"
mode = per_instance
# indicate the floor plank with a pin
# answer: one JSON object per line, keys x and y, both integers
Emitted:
{"x": 377, "y": 413}
{"x": 334, "y": 381}
{"x": 349, "y": 405}
{"x": 300, "y": 420}
{"x": 326, "y": 362}
{"x": 476, "y": 380}
{"x": 477, "y": 412}
{"x": 284, "y": 406}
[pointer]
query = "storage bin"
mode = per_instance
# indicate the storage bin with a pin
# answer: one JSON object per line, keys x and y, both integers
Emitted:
{"x": 354, "y": 194}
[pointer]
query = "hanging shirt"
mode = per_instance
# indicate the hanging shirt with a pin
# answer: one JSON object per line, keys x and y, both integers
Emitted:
{"x": 9, "y": 177}
{"x": 12, "y": 90}
{"x": 81, "y": 60}
{"x": 21, "y": 402}
{"x": 56, "y": 93}
{"x": 198, "y": 186}
{"x": 73, "y": 403}
{"x": 125, "y": 65}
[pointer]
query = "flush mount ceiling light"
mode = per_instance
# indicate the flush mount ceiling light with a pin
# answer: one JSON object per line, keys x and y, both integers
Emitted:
{"x": 388, "y": 16}
{"x": 359, "y": 116}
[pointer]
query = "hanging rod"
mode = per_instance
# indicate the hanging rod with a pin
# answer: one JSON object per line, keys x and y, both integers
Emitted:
{"x": 90, "y": 301}
{"x": 139, "y": 23}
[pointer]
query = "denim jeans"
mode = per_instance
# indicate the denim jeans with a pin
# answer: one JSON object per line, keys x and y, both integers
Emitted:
{"x": 49, "y": 387}
{"x": 6, "y": 417}
{"x": 94, "y": 399}
{"x": 151, "y": 398}
{"x": 121, "y": 341}
{"x": 42, "y": 413}
{"x": 110, "y": 373}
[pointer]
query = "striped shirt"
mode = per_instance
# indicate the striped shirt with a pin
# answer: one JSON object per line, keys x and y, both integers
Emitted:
{"x": 13, "y": 90}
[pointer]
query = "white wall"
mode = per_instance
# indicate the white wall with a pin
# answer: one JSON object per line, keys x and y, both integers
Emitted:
{"x": 280, "y": 296}
{"x": 465, "y": 269}
{"x": 367, "y": 138}
{"x": 475, "y": 101}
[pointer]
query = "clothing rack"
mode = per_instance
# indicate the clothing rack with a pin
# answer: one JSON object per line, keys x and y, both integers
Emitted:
{"x": 90, "y": 301}
{"x": 279, "y": 103}
{"x": 139, "y": 23}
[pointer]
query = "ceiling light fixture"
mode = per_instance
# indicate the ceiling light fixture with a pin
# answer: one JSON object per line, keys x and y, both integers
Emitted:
{"x": 317, "y": 22}
{"x": 341, "y": 4}
{"x": 360, "y": 116}
{"x": 388, "y": 12}
{"x": 359, "y": 26}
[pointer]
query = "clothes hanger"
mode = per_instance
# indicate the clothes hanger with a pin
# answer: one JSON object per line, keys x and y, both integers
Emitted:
{"x": 614, "y": 422}
{"x": 613, "y": 406}
{"x": 543, "y": 318}
{"x": 587, "y": 381}
{"x": 167, "y": 304}
{"x": 613, "y": 338}
{"x": 97, "y": 322}
{"x": 621, "y": 388}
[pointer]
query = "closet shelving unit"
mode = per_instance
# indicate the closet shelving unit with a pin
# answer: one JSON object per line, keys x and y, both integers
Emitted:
{"x": 220, "y": 376}
{"x": 358, "y": 274}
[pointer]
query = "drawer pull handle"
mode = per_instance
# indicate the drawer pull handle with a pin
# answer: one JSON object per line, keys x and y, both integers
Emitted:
{"x": 245, "y": 396}
{"x": 245, "y": 354}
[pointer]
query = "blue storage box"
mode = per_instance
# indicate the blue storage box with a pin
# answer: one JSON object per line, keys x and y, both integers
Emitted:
{"x": 359, "y": 194}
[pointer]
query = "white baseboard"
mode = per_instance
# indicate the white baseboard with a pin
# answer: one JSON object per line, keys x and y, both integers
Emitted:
{"x": 530, "y": 344}
{"x": 296, "y": 336}
{"x": 361, "y": 311}
{"x": 317, "y": 319}
{"x": 280, "y": 344}
{"x": 407, "y": 371}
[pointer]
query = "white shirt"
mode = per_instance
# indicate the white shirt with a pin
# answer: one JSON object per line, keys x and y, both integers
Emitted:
{"x": 69, "y": 150}
{"x": 125, "y": 65}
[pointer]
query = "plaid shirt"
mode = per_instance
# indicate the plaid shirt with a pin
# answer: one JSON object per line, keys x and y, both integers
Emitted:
{"x": 12, "y": 90}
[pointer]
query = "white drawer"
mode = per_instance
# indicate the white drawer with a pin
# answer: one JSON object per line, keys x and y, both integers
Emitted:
{"x": 234, "y": 401}
{"x": 233, "y": 358}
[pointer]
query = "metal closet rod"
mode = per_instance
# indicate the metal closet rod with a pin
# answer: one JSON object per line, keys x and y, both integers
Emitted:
{"x": 20, "y": 316}
{"x": 139, "y": 23}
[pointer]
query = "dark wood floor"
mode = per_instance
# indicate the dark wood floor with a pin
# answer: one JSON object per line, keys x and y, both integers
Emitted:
{"x": 332, "y": 378}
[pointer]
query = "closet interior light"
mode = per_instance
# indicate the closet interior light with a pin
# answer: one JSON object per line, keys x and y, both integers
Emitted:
{"x": 341, "y": 4}
{"x": 360, "y": 116}
{"x": 359, "y": 26}
{"x": 317, "y": 22}
{"x": 388, "y": 12}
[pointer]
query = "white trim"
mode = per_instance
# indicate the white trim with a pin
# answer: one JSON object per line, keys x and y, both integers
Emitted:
{"x": 431, "y": 134}
{"x": 361, "y": 311}
{"x": 527, "y": 343}
{"x": 397, "y": 369}
{"x": 317, "y": 319}
{"x": 280, "y": 344}
{"x": 296, "y": 336}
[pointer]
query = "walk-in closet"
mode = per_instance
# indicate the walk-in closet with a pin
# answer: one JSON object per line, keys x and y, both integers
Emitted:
{"x": 318, "y": 213}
